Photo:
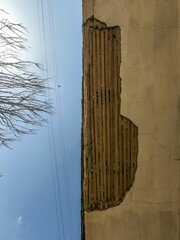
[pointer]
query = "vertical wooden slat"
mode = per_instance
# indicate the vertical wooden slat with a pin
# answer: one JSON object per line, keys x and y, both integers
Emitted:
{"x": 116, "y": 43}
{"x": 86, "y": 130}
{"x": 95, "y": 160}
{"x": 116, "y": 114}
{"x": 103, "y": 82}
{"x": 108, "y": 113}
{"x": 136, "y": 146}
{"x": 99, "y": 127}
{"x": 128, "y": 153}
{"x": 120, "y": 157}
{"x": 132, "y": 152}
{"x": 118, "y": 104}
{"x": 124, "y": 153}
{"x": 111, "y": 112}
{"x": 131, "y": 149}
{"x": 89, "y": 113}
{"x": 119, "y": 107}
{"x": 120, "y": 124}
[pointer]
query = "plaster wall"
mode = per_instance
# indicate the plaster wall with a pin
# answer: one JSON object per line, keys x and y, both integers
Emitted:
{"x": 150, "y": 97}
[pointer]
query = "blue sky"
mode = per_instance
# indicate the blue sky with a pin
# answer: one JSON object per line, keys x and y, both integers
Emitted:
{"x": 34, "y": 205}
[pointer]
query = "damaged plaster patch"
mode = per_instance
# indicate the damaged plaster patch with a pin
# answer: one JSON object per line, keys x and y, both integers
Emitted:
{"x": 109, "y": 140}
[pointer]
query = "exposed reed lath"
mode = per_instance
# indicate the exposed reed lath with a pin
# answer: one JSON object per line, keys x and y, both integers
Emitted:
{"x": 109, "y": 140}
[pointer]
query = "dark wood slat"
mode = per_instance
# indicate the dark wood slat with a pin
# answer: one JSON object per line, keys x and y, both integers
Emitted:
{"x": 95, "y": 160}
{"x": 108, "y": 114}
{"x": 124, "y": 154}
{"x": 128, "y": 154}
{"x": 103, "y": 84}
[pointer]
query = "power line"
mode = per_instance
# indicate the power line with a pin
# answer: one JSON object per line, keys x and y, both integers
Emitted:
{"x": 60, "y": 121}
{"x": 54, "y": 165}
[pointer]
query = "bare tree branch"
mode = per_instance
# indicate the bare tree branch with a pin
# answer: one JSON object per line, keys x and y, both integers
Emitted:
{"x": 22, "y": 91}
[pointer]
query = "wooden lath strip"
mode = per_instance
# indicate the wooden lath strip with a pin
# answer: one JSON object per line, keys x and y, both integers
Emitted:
{"x": 90, "y": 123}
{"x": 116, "y": 113}
{"x": 106, "y": 114}
{"x": 103, "y": 87}
{"x": 87, "y": 166}
{"x": 107, "y": 56}
{"x": 110, "y": 59}
{"x": 132, "y": 154}
{"x": 124, "y": 154}
{"x": 136, "y": 147}
{"x": 88, "y": 130}
{"x": 120, "y": 156}
{"x": 126, "y": 143}
{"x": 95, "y": 159}
{"x": 98, "y": 115}
{"x": 128, "y": 154}
{"x": 117, "y": 55}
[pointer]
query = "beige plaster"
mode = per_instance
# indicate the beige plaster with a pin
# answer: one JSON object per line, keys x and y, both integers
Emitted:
{"x": 150, "y": 97}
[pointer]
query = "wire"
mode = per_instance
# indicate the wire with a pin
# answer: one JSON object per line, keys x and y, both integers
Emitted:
{"x": 60, "y": 121}
{"x": 54, "y": 164}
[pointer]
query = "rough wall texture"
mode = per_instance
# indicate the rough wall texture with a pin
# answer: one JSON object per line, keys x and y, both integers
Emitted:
{"x": 150, "y": 50}
{"x": 110, "y": 143}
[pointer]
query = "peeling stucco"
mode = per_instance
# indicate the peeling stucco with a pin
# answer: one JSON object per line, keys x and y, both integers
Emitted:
{"x": 109, "y": 140}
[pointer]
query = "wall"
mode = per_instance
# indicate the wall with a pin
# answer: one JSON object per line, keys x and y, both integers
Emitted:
{"x": 150, "y": 97}
{"x": 110, "y": 140}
